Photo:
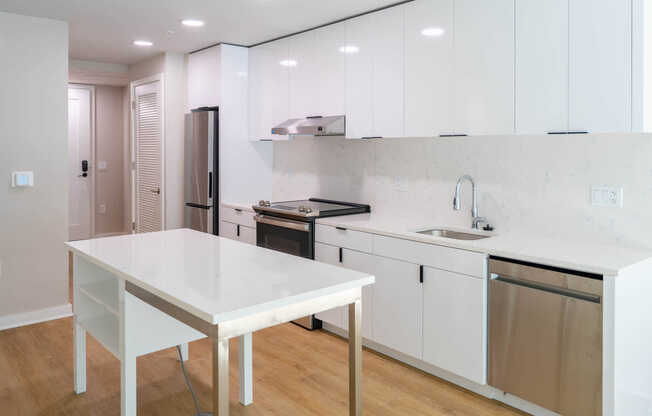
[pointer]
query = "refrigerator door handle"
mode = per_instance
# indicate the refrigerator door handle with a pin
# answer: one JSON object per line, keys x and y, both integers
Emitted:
{"x": 210, "y": 184}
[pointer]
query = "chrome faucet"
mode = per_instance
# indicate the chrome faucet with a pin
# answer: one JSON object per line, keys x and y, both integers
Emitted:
{"x": 457, "y": 204}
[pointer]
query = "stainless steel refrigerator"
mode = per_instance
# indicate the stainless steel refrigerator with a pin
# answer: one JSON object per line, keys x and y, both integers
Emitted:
{"x": 201, "y": 170}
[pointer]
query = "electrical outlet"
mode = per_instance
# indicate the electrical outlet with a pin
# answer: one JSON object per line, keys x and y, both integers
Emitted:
{"x": 101, "y": 209}
{"x": 606, "y": 196}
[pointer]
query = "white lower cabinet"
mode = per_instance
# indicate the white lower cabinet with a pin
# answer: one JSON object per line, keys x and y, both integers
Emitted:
{"x": 228, "y": 230}
{"x": 397, "y": 309}
{"x": 454, "y": 312}
{"x": 329, "y": 254}
{"x": 238, "y": 232}
{"x": 364, "y": 263}
{"x": 353, "y": 260}
{"x": 434, "y": 315}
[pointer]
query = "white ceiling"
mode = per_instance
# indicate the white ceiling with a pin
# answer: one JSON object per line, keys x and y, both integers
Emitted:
{"x": 103, "y": 30}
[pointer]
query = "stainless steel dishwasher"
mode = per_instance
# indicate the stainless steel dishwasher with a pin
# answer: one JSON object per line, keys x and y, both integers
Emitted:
{"x": 545, "y": 335}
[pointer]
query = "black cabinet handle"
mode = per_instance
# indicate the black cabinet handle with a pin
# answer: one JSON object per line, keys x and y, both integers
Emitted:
{"x": 237, "y": 210}
{"x": 371, "y": 137}
{"x": 238, "y": 230}
{"x": 341, "y": 254}
{"x": 420, "y": 274}
{"x": 340, "y": 228}
{"x": 453, "y": 135}
{"x": 210, "y": 184}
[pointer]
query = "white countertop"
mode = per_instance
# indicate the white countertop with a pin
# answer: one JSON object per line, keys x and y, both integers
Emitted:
{"x": 216, "y": 279}
{"x": 581, "y": 256}
{"x": 239, "y": 205}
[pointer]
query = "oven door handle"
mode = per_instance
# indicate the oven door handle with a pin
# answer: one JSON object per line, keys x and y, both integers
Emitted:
{"x": 278, "y": 222}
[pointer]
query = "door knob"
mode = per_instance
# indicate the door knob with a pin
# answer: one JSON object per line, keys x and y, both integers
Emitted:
{"x": 156, "y": 191}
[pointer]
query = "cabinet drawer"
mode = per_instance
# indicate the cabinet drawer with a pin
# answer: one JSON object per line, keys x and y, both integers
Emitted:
{"x": 248, "y": 235}
{"x": 445, "y": 258}
{"x": 242, "y": 217}
{"x": 334, "y": 236}
{"x": 228, "y": 230}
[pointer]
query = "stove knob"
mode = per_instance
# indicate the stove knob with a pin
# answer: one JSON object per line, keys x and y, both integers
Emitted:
{"x": 261, "y": 203}
{"x": 302, "y": 208}
{"x": 308, "y": 210}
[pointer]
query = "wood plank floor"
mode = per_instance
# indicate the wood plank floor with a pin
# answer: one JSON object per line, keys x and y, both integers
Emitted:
{"x": 296, "y": 372}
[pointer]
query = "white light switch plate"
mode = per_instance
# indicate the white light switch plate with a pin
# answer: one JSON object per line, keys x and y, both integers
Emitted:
{"x": 22, "y": 179}
{"x": 101, "y": 209}
{"x": 606, "y": 196}
{"x": 101, "y": 165}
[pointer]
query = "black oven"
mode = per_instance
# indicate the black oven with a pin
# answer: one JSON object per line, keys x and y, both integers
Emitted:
{"x": 286, "y": 235}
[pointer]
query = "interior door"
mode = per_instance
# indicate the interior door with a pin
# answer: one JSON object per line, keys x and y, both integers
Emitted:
{"x": 148, "y": 155}
{"x": 79, "y": 157}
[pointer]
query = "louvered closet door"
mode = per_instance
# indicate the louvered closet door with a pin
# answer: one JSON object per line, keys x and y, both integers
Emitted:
{"x": 149, "y": 196}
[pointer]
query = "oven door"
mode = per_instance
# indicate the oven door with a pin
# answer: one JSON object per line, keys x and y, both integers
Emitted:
{"x": 282, "y": 234}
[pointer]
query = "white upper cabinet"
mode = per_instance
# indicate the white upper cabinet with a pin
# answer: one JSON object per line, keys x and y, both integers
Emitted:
{"x": 359, "y": 71}
{"x": 204, "y": 78}
{"x": 600, "y": 65}
{"x": 541, "y": 66}
{"x": 317, "y": 79}
{"x": 375, "y": 74}
{"x": 388, "y": 72}
{"x": 484, "y": 67}
{"x": 428, "y": 67}
{"x": 303, "y": 76}
{"x": 269, "y": 66}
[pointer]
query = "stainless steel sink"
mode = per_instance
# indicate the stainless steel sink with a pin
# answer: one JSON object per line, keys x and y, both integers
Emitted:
{"x": 457, "y": 235}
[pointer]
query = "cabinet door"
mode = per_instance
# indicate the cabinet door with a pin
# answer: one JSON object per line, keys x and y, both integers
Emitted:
{"x": 365, "y": 263}
{"x": 453, "y": 323}
{"x": 303, "y": 79}
{"x": 397, "y": 309}
{"x": 428, "y": 67}
{"x": 541, "y": 66}
{"x": 600, "y": 65}
{"x": 268, "y": 98}
{"x": 247, "y": 235}
{"x": 484, "y": 67}
{"x": 204, "y": 78}
{"x": 329, "y": 72}
{"x": 359, "y": 83}
{"x": 329, "y": 254}
{"x": 228, "y": 230}
{"x": 388, "y": 72}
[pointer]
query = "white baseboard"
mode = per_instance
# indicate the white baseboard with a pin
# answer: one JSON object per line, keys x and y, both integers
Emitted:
{"x": 34, "y": 317}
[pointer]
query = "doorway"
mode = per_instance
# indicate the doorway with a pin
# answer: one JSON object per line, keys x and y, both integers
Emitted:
{"x": 81, "y": 161}
{"x": 148, "y": 190}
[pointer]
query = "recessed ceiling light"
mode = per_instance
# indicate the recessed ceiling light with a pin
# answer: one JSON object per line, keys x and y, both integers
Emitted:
{"x": 349, "y": 49}
{"x": 432, "y": 32}
{"x": 288, "y": 62}
{"x": 192, "y": 22}
{"x": 142, "y": 43}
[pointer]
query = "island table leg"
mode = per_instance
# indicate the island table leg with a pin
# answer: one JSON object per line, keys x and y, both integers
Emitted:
{"x": 220, "y": 377}
{"x": 355, "y": 358}
{"x": 246, "y": 376}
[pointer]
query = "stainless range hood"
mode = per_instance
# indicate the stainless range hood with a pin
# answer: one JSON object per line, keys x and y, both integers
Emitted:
{"x": 312, "y": 126}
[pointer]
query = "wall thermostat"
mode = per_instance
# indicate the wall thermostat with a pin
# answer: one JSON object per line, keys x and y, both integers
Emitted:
{"x": 22, "y": 179}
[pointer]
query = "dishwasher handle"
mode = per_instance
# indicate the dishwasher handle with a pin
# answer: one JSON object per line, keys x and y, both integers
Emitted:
{"x": 575, "y": 294}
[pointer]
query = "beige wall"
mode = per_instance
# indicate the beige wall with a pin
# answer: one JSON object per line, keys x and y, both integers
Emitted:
{"x": 109, "y": 183}
{"x": 533, "y": 184}
{"x": 33, "y": 136}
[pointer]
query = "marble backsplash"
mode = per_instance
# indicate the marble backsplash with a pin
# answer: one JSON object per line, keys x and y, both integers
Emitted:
{"x": 538, "y": 184}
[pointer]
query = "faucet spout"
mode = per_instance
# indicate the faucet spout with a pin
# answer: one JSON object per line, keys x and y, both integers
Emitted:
{"x": 457, "y": 203}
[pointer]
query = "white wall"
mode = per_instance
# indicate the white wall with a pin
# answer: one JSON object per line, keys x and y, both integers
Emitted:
{"x": 175, "y": 106}
{"x": 33, "y": 136}
{"x": 537, "y": 184}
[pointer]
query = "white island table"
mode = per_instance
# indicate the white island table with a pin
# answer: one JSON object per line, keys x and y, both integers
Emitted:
{"x": 141, "y": 293}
